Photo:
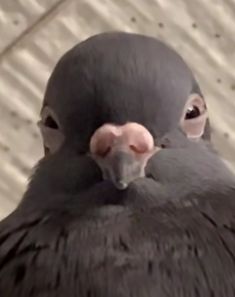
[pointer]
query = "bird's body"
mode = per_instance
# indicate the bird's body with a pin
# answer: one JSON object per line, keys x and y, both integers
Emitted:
{"x": 170, "y": 233}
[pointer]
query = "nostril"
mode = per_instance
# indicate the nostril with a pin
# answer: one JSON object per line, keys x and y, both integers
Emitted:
{"x": 103, "y": 151}
{"x": 103, "y": 139}
{"x": 138, "y": 149}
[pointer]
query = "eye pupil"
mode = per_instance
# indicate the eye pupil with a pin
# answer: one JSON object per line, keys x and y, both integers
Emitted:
{"x": 192, "y": 112}
{"x": 51, "y": 123}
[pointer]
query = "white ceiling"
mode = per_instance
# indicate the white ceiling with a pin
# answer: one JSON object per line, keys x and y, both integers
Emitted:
{"x": 34, "y": 34}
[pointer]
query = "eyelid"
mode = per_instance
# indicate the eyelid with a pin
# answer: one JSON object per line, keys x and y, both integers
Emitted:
{"x": 52, "y": 138}
{"x": 48, "y": 112}
{"x": 195, "y": 100}
{"x": 194, "y": 127}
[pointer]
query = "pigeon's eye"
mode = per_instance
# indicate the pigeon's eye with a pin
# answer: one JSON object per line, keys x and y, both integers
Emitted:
{"x": 49, "y": 118}
{"x": 51, "y": 131}
{"x": 51, "y": 123}
{"x": 192, "y": 112}
{"x": 194, "y": 117}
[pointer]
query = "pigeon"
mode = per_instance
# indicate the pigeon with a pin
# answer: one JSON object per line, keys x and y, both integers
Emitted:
{"x": 130, "y": 198}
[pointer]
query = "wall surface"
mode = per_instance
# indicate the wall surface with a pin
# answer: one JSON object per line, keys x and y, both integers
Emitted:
{"x": 35, "y": 33}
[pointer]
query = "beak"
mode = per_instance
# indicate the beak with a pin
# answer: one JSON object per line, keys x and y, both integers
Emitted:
{"x": 121, "y": 168}
{"x": 122, "y": 159}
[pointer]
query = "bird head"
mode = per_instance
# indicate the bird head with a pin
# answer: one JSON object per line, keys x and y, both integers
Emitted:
{"x": 120, "y": 110}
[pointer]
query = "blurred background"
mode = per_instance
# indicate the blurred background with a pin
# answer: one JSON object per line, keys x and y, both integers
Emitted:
{"x": 35, "y": 33}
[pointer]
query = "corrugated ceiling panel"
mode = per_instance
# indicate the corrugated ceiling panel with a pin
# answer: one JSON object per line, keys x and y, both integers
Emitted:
{"x": 16, "y": 17}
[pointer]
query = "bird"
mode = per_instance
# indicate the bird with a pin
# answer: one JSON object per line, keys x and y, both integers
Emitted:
{"x": 130, "y": 199}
